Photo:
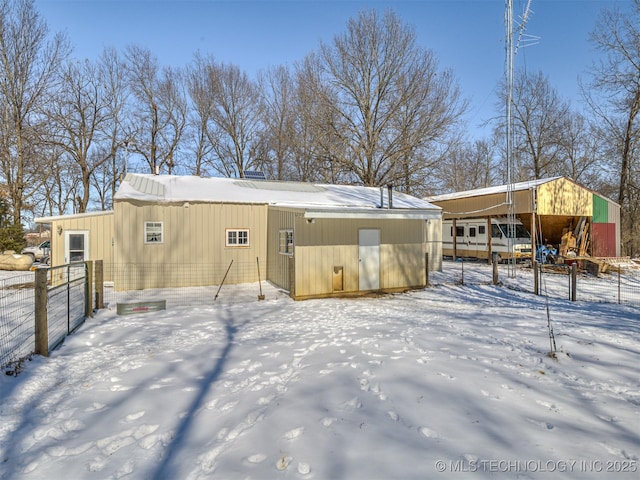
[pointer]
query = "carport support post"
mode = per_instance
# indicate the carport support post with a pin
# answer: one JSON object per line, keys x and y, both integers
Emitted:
{"x": 99, "y": 282}
{"x": 454, "y": 233}
{"x": 489, "y": 242}
{"x": 574, "y": 277}
{"x": 536, "y": 277}
{"x": 495, "y": 271}
{"x": 41, "y": 327}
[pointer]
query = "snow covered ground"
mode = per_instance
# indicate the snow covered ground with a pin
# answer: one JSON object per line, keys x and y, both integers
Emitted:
{"x": 447, "y": 382}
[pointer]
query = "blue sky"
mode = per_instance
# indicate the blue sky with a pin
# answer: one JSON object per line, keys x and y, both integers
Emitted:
{"x": 467, "y": 36}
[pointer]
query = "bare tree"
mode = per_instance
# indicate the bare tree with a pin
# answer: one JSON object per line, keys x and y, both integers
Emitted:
{"x": 235, "y": 124}
{"x": 538, "y": 114}
{"x": 617, "y": 79}
{"x": 80, "y": 118}
{"x": 160, "y": 111}
{"x": 29, "y": 63}
{"x": 468, "y": 166}
{"x": 386, "y": 99}
{"x": 200, "y": 113}
{"x": 580, "y": 150}
{"x": 114, "y": 137}
{"x": 277, "y": 148}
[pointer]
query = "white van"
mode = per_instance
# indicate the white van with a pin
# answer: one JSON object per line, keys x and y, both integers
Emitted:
{"x": 472, "y": 239}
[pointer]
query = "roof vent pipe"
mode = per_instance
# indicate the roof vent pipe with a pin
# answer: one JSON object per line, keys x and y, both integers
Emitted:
{"x": 390, "y": 193}
{"x": 381, "y": 197}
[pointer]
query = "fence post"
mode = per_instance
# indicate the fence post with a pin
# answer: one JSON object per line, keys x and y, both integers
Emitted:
{"x": 536, "y": 278}
{"x": 619, "y": 298}
{"x": 426, "y": 269}
{"x": 88, "y": 303}
{"x": 41, "y": 326}
{"x": 494, "y": 264}
{"x": 574, "y": 277}
{"x": 99, "y": 282}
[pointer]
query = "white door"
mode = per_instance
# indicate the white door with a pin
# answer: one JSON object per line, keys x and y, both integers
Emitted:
{"x": 369, "y": 259}
{"x": 76, "y": 246}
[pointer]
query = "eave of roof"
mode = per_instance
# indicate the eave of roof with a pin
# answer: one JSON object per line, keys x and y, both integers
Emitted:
{"x": 70, "y": 216}
{"x": 519, "y": 186}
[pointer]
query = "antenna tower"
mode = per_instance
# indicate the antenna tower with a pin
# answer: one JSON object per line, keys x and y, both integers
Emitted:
{"x": 510, "y": 51}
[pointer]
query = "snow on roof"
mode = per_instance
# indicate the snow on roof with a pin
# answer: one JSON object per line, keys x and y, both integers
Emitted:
{"x": 173, "y": 188}
{"x": 490, "y": 190}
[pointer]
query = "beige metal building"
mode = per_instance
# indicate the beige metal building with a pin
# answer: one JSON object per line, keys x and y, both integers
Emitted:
{"x": 311, "y": 240}
{"x": 547, "y": 207}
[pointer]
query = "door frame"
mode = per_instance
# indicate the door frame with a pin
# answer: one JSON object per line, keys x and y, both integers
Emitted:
{"x": 67, "y": 234}
{"x": 369, "y": 259}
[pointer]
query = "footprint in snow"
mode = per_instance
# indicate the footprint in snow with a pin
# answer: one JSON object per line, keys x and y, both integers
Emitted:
{"x": 354, "y": 403}
{"x": 328, "y": 421}
{"x": 428, "y": 433}
{"x": 134, "y": 416}
{"x": 295, "y": 433}
{"x": 364, "y": 384}
{"x": 283, "y": 462}
{"x": 304, "y": 468}
{"x": 545, "y": 425}
{"x": 256, "y": 458}
{"x": 95, "y": 407}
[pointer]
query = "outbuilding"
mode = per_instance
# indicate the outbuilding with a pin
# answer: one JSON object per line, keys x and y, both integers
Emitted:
{"x": 312, "y": 240}
{"x": 550, "y": 208}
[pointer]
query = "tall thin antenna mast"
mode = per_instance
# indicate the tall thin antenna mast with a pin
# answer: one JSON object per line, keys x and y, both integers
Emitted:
{"x": 510, "y": 51}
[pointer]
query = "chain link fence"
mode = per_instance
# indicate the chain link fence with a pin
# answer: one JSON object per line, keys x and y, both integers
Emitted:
{"x": 178, "y": 284}
{"x": 64, "y": 296}
{"x": 16, "y": 317}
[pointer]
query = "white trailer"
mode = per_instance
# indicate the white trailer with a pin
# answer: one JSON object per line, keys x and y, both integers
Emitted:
{"x": 480, "y": 237}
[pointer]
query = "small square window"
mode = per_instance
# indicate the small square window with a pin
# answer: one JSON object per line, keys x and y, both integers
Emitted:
{"x": 481, "y": 230}
{"x": 237, "y": 238}
{"x": 153, "y": 232}
{"x": 285, "y": 242}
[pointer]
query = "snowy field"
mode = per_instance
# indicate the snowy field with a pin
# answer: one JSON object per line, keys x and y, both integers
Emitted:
{"x": 449, "y": 382}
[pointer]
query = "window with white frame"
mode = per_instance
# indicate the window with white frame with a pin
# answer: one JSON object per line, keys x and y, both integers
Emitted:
{"x": 285, "y": 242}
{"x": 153, "y": 232}
{"x": 238, "y": 237}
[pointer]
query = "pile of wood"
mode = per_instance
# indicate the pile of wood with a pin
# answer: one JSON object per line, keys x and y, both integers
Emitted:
{"x": 576, "y": 243}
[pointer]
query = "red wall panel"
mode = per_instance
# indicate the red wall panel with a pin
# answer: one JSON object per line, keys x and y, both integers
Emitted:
{"x": 603, "y": 240}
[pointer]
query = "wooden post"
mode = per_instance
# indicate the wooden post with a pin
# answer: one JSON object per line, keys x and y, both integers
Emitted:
{"x": 533, "y": 237}
{"x": 89, "y": 300}
{"x": 536, "y": 278}
{"x": 41, "y": 327}
{"x": 99, "y": 282}
{"x": 574, "y": 277}
{"x": 495, "y": 272}
{"x": 426, "y": 269}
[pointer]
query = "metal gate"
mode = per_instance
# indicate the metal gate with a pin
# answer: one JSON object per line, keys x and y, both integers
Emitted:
{"x": 67, "y": 300}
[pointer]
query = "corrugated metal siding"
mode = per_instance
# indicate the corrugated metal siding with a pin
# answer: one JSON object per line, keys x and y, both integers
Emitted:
{"x": 194, "y": 233}
{"x": 433, "y": 244}
{"x": 330, "y": 231}
{"x": 563, "y": 197}
{"x": 600, "y": 210}
{"x": 606, "y": 228}
{"x": 100, "y": 228}
{"x": 604, "y": 240}
{"x": 329, "y": 243}
{"x": 277, "y": 263}
{"x": 486, "y": 205}
{"x": 614, "y": 217}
